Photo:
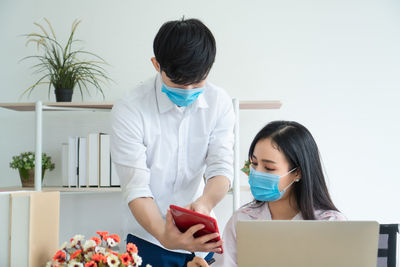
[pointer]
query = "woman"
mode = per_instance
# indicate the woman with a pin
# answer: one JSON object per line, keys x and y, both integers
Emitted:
{"x": 286, "y": 180}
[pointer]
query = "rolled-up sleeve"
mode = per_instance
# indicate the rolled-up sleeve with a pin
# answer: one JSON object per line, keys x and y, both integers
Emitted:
{"x": 219, "y": 158}
{"x": 128, "y": 152}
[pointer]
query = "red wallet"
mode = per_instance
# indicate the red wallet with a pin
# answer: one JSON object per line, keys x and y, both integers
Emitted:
{"x": 184, "y": 219}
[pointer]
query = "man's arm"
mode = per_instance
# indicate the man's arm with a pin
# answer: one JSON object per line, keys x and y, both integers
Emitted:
{"x": 214, "y": 191}
{"x": 219, "y": 171}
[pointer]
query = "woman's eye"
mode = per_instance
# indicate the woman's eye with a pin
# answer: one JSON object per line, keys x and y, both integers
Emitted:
{"x": 254, "y": 164}
{"x": 268, "y": 169}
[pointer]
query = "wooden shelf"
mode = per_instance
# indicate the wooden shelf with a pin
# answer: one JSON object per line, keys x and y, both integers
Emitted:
{"x": 47, "y": 106}
{"x": 54, "y": 106}
{"x": 64, "y": 189}
{"x": 83, "y": 189}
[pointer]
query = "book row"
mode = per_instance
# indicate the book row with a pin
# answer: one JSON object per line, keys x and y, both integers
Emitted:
{"x": 86, "y": 162}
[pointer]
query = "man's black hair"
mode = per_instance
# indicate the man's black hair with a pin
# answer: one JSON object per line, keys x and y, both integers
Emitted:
{"x": 185, "y": 50}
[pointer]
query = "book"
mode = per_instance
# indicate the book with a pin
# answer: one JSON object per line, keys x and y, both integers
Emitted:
{"x": 114, "y": 176}
{"x": 4, "y": 227}
{"x": 64, "y": 164}
{"x": 105, "y": 160}
{"x": 82, "y": 166}
{"x": 73, "y": 161}
{"x": 93, "y": 159}
{"x": 43, "y": 227}
{"x": 19, "y": 229}
{"x": 34, "y": 227}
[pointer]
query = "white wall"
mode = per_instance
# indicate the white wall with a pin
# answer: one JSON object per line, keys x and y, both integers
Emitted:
{"x": 335, "y": 65}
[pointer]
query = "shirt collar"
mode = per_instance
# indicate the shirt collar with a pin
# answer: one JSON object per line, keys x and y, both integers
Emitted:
{"x": 165, "y": 104}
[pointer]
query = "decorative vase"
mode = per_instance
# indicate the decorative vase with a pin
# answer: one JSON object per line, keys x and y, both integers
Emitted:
{"x": 63, "y": 95}
{"x": 28, "y": 177}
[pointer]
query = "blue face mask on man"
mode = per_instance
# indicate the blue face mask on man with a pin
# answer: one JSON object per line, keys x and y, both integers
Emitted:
{"x": 181, "y": 97}
{"x": 265, "y": 186}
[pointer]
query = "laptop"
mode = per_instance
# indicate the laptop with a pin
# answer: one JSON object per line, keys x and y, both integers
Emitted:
{"x": 307, "y": 243}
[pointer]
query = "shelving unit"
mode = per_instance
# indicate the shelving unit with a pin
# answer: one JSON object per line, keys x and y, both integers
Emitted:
{"x": 64, "y": 189}
{"x": 38, "y": 107}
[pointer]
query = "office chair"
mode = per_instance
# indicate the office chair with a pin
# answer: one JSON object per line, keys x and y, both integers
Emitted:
{"x": 387, "y": 245}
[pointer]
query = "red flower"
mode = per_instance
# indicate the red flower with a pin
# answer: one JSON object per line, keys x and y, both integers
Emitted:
{"x": 96, "y": 239}
{"x": 76, "y": 253}
{"x": 98, "y": 257}
{"x": 125, "y": 258}
{"x": 91, "y": 264}
{"x": 60, "y": 256}
{"x": 114, "y": 237}
{"x": 132, "y": 248}
{"x": 102, "y": 234}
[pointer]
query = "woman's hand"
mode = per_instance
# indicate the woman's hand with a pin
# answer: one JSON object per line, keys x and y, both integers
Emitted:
{"x": 197, "y": 262}
{"x": 172, "y": 238}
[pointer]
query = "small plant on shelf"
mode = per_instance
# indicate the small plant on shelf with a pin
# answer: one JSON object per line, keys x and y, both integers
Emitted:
{"x": 61, "y": 66}
{"x": 25, "y": 164}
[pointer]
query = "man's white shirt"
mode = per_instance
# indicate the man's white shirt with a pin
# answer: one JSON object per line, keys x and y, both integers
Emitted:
{"x": 164, "y": 151}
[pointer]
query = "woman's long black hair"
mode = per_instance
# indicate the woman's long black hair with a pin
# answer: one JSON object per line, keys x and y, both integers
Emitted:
{"x": 301, "y": 151}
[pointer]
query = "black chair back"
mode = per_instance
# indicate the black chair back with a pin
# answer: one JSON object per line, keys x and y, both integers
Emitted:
{"x": 387, "y": 248}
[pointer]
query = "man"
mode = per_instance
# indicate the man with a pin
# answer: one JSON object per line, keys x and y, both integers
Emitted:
{"x": 167, "y": 136}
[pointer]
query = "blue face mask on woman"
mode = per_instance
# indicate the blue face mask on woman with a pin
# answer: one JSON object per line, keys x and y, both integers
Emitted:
{"x": 265, "y": 186}
{"x": 181, "y": 97}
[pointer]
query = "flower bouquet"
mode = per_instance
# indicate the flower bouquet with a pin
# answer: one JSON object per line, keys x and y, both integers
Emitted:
{"x": 95, "y": 252}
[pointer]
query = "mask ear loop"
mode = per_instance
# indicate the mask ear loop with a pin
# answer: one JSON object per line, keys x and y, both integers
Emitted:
{"x": 296, "y": 180}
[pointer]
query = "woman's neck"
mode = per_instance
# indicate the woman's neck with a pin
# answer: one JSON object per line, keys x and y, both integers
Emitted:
{"x": 283, "y": 209}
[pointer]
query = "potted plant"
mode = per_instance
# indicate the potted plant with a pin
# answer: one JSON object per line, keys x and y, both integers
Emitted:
{"x": 25, "y": 163}
{"x": 61, "y": 66}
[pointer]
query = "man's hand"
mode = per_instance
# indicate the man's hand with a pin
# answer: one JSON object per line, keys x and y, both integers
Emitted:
{"x": 201, "y": 206}
{"x": 197, "y": 262}
{"x": 172, "y": 238}
{"x": 214, "y": 190}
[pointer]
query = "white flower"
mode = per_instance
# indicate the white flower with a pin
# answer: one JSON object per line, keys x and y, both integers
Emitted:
{"x": 79, "y": 238}
{"x": 75, "y": 264}
{"x": 111, "y": 242}
{"x": 75, "y": 240}
{"x": 30, "y": 156}
{"x": 100, "y": 250}
{"x": 25, "y": 159}
{"x": 89, "y": 244}
{"x": 137, "y": 259}
{"x": 113, "y": 261}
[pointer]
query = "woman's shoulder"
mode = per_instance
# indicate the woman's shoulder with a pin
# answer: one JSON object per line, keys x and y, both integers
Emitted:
{"x": 251, "y": 211}
{"x": 329, "y": 215}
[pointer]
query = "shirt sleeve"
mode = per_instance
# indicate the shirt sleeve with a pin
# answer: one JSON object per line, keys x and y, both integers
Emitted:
{"x": 128, "y": 153}
{"x": 219, "y": 158}
{"x": 134, "y": 183}
{"x": 331, "y": 215}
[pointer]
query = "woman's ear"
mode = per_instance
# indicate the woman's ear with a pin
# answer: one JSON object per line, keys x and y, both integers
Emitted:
{"x": 155, "y": 64}
{"x": 297, "y": 174}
